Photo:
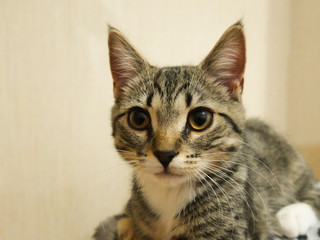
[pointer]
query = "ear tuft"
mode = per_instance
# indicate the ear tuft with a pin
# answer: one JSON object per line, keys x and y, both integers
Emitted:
{"x": 239, "y": 23}
{"x": 226, "y": 61}
{"x": 125, "y": 62}
{"x": 110, "y": 28}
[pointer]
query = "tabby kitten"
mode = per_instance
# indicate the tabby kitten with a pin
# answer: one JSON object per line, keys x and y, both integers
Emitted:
{"x": 201, "y": 170}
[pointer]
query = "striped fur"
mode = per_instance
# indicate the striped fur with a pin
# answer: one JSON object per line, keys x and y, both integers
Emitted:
{"x": 226, "y": 182}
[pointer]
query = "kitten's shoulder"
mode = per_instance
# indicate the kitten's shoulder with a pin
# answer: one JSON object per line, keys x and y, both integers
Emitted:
{"x": 257, "y": 127}
{"x": 262, "y": 135}
{"x": 271, "y": 147}
{"x": 255, "y": 124}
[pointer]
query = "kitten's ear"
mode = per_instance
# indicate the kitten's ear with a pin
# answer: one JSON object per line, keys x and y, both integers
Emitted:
{"x": 125, "y": 62}
{"x": 226, "y": 61}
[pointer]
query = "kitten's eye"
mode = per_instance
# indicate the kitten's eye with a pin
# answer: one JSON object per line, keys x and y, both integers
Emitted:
{"x": 139, "y": 119}
{"x": 200, "y": 119}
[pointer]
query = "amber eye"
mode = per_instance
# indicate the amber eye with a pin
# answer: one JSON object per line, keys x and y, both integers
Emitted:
{"x": 139, "y": 119}
{"x": 200, "y": 119}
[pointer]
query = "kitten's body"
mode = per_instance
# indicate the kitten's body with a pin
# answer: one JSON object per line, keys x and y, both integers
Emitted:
{"x": 200, "y": 170}
{"x": 269, "y": 176}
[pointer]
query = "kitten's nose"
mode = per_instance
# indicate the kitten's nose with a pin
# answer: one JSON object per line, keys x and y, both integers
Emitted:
{"x": 165, "y": 157}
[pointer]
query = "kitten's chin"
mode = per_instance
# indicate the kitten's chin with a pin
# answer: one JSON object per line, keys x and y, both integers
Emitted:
{"x": 165, "y": 179}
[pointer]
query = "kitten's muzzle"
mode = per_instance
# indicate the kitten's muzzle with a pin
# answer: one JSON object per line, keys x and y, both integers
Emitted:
{"x": 165, "y": 157}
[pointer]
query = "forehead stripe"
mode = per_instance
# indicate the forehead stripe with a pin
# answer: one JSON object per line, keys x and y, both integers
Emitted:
{"x": 158, "y": 88}
{"x": 149, "y": 99}
{"x": 157, "y": 75}
{"x": 183, "y": 87}
{"x": 188, "y": 99}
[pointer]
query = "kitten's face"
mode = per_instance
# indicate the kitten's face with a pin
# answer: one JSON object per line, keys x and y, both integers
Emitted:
{"x": 176, "y": 124}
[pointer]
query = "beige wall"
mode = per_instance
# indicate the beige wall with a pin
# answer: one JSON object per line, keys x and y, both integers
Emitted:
{"x": 303, "y": 110}
{"x": 59, "y": 174}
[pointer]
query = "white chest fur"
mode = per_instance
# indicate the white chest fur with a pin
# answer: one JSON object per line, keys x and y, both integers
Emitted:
{"x": 167, "y": 202}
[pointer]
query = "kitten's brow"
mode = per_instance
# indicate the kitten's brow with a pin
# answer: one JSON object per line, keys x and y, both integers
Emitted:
{"x": 233, "y": 124}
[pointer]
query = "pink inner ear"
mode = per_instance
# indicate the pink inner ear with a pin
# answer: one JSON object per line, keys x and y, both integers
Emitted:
{"x": 231, "y": 74}
{"x": 118, "y": 75}
{"x": 121, "y": 71}
{"x": 236, "y": 86}
{"x": 125, "y": 62}
{"x": 226, "y": 62}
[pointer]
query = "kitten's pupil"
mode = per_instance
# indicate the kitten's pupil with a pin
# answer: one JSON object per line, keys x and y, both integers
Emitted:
{"x": 139, "y": 118}
{"x": 200, "y": 118}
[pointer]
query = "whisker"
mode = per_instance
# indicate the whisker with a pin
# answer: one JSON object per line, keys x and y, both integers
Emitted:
{"x": 224, "y": 193}
{"x": 260, "y": 161}
{"x": 120, "y": 150}
{"x": 199, "y": 176}
{"x": 257, "y": 159}
{"x": 256, "y": 171}
{"x": 239, "y": 187}
{"x": 265, "y": 208}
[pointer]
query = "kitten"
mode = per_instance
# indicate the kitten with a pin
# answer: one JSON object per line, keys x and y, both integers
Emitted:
{"x": 201, "y": 170}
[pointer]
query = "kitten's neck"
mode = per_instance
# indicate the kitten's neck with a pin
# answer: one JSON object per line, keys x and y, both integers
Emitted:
{"x": 166, "y": 201}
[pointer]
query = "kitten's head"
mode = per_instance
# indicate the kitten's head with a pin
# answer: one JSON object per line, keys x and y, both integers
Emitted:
{"x": 173, "y": 124}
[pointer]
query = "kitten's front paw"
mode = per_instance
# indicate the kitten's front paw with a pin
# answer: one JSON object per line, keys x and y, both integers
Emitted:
{"x": 295, "y": 219}
{"x": 125, "y": 229}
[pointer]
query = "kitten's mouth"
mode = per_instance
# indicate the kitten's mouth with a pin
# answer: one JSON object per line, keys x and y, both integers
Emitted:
{"x": 166, "y": 174}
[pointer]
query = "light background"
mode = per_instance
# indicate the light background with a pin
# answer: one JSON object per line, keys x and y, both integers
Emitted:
{"x": 59, "y": 173}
